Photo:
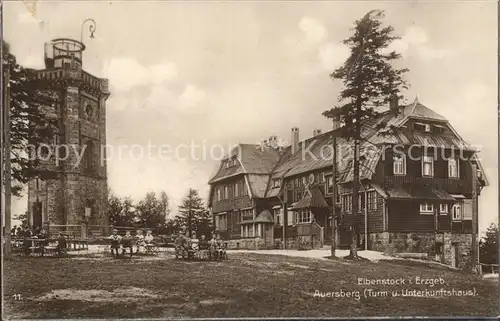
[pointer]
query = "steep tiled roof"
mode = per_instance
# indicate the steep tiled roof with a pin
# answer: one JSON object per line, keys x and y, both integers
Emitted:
{"x": 313, "y": 199}
{"x": 414, "y": 192}
{"x": 264, "y": 217}
{"x": 258, "y": 184}
{"x": 252, "y": 159}
{"x": 257, "y": 160}
{"x": 264, "y": 165}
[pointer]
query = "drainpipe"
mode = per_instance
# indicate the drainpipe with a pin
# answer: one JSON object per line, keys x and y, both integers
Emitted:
{"x": 366, "y": 220}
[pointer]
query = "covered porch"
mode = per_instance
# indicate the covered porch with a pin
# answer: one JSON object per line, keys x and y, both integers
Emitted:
{"x": 312, "y": 218}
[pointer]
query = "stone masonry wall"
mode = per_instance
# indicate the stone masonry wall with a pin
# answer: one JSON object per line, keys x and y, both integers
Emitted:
{"x": 64, "y": 199}
{"x": 437, "y": 246}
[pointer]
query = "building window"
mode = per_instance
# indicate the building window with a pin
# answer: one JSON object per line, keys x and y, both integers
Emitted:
{"x": 443, "y": 209}
{"x": 236, "y": 190}
{"x": 277, "y": 216}
{"x": 221, "y": 222}
{"x": 276, "y": 182}
{"x": 346, "y": 203}
{"x": 428, "y": 166}
{"x": 219, "y": 197}
{"x": 453, "y": 168}
{"x": 372, "y": 201}
{"x": 329, "y": 185}
{"x": 399, "y": 164}
{"x": 426, "y": 208}
{"x": 226, "y": 192}
{"x": 304, "y": 216}
{"x": 361, "y": 201}
{"x": 322, "y": 177}
{"x": 456, "y": 212}
{"x": 427, "y": 128}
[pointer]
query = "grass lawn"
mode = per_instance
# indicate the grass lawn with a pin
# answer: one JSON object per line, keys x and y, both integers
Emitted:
{"x": 247, "y": 285}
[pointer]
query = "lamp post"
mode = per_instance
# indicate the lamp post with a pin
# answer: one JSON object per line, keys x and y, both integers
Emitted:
{"x": 92, "y": 28}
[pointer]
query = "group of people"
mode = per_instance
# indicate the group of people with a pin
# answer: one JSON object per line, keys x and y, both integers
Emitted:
{"x": 29, "y": 235}
{"x": 201, "y": 248}
{"x": 128, "y": 241}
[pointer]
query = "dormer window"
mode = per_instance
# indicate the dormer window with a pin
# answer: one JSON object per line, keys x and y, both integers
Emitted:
{"x": 231, "y": 162}
{"x": 276, "y": 183}
{"x": 399, "y": 164}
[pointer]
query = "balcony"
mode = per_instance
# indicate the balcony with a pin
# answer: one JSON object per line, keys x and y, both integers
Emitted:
{"x": 453, "y": 186}
{"x": 99, "y": 85}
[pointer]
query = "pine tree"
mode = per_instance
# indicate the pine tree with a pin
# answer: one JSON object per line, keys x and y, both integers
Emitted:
{"x": 488, "y": 248}
{"x": 193, "y": 216}
{"x": 370, "y": 81}
{"x": 30, "y": 124}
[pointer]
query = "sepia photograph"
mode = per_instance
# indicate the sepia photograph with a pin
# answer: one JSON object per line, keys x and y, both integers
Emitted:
{"x": 249, "y": 159}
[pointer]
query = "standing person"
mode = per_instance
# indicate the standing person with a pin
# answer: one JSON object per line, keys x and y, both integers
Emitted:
{"x": 139, "y": 239}
{"x": 61, "y": 244}
{"x": 127, "y": 243}
{"x": 212, "y": 244}
{"x": 26, "y": 242}
{"x": 115, "y": 242}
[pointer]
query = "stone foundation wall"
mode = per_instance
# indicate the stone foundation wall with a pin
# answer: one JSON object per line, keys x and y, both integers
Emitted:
{"x": 438, "y": 246}
{"x": 260, "y": 244}
{"x": 256, "y": 243}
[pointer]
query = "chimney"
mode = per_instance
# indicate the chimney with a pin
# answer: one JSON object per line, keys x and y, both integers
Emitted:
{"x": 295, "y": 140}
{"x": 273, "y": 142}
{"x": 394, "y": 103}
{"x": 336, "y": 122}
{"x": 316, "y": 132}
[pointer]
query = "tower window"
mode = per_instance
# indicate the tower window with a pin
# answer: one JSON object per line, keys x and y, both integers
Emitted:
{"x": 88, "y": 111}
{"x": 89, "y": 157}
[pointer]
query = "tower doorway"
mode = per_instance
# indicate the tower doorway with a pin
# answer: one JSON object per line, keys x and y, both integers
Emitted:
{"x": 37, "y": 215}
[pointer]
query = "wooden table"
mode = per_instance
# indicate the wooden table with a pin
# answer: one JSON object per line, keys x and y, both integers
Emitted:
{"x": 37, "y": 244}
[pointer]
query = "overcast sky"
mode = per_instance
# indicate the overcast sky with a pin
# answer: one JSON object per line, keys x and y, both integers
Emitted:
{"x": 223, "y": 73}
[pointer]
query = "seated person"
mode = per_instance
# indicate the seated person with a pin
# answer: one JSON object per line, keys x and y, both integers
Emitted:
{"x": 195, "y": 243}
{"x": 61, "y": 244}
{"x": 148, "y": 239}
{"x": 139, "y": 239}
{"x": 203, "y": 243}
{"x": 115, "y": 242}
{"x": 221, "y": 250}
{"x": 127, "y": 243}
{"x": 180, "y": 244}
{"x": 187, "y": 242}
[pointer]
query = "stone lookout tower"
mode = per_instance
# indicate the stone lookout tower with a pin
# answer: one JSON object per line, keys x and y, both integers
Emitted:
{"x": 74, "y": 198}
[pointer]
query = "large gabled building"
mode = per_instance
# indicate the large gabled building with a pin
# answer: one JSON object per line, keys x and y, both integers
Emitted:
{"x": 415, "y": 195}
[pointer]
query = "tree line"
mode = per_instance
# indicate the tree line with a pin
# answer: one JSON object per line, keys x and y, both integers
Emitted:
{"x": 153, "y": 212}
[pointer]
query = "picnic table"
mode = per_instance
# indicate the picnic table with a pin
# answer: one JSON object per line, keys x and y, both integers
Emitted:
{"x": 37, "y": 245}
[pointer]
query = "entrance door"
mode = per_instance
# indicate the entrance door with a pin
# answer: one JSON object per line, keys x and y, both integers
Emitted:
{"x": 268, "y": 231}
{"x": 37, "y": 215}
